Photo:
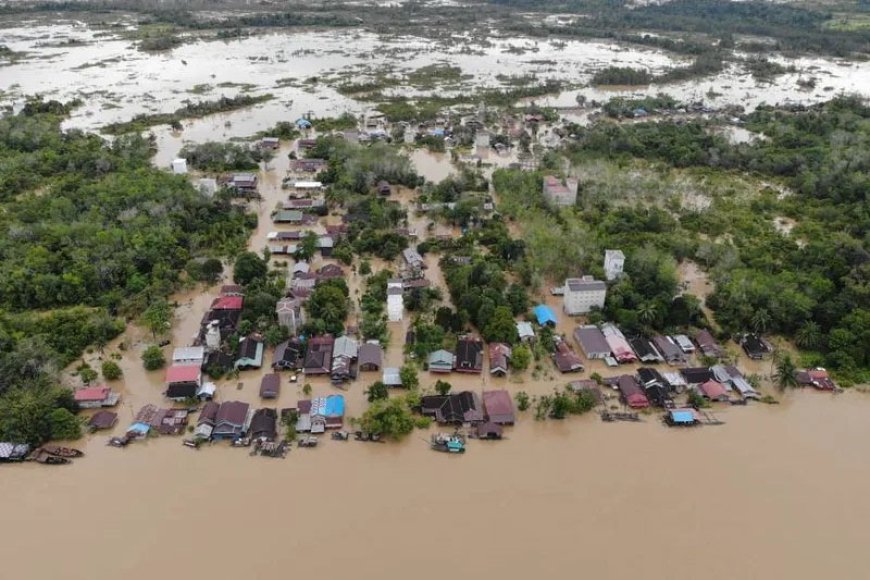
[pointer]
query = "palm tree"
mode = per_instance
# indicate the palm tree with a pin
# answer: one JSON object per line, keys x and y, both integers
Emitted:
{"x": 785, "y": 373}
{"x": 647, "y": 313}
{"x": 809, "y": 335}
{"x": 760, "y": 320}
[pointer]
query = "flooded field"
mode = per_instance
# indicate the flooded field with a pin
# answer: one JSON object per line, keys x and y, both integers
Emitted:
{"x": 734, "y": 501}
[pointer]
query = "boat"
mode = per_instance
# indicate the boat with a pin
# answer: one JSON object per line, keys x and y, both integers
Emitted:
{"x": 448, "y": 443}
{"x": 366, "y": 436}
{"x": 340, "y": 435}
{"x": 190, "y": 443}
{"x": 120, "y": 441}
{"x": 242, "y": 442}
{"x": 610, "y": 416}
{"x": 45, "y": 458}
{"x": 309, "y": 441}
{"x": 62, "y": 451}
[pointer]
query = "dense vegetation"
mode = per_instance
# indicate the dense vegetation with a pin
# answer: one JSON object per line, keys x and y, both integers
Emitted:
{"x": 90, "y": 231}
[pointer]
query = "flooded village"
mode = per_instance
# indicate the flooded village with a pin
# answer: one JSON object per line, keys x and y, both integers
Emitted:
{"x": 348, "y": 337}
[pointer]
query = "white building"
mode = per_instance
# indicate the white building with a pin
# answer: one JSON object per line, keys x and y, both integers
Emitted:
{"x": 583, "y": 294}
{"x": 614, "y": 260}
{"x": 179, "y": 166}
{"x": 395, "y": 301}
{"x": 188, "y": 355}
{"x": 213, "y": 336}
{"x": 290, "y": 314}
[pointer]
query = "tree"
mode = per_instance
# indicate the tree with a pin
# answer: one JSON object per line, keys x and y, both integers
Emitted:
{"x": 307, "y": 247}
{"x": 88, "y": 375}
{"x": 390, "y": 418}
{"x": 648, "y": 312}
{"x": 377, "y": 391}
{"x": 809, "y": 335}
{"x": 760, "y": 320}
{"x": 522, "y": 399}
{"x": 409, "y": 378}
{"x": 521, "y": 358}
{"x": 157, "y": 317}
{"x": 501, "y": 327}
{"x": 442, "y": 387}
{"x": 248, "y": 268}
{"x": 111, "y": 371}
{"x": 211, "y": 270}
{"x": 786, "y": 373}
{"x": 153, "y": 358}
{"x": 64, "y": 425}
{"x": 328, "y": 303}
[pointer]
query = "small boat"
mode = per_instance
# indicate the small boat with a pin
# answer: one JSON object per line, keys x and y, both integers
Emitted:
{"x": 309, "y": 441}
{"x": 62, "y": 451}
{"x": 340, "y": 435}
{"x": 448, "y": 443}
{"x": 120, "y": 441}
{"x": 366, "y": 436}
{"x": 242, "y": 442}
{"x": 190, "y": 443}
{"x": 45, "y": 458}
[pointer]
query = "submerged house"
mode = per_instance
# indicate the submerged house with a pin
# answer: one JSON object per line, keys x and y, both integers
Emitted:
{"x": 731, "y": 376}
{"x": 499, "y": 359}
{"x": 469, "y": 355}
{"x": 645, "y": 350}
{"x": 370, "y": 357}
{"x": 525, "y": 331}
{"x": 264, "y": 425}
{"x": 206, "y": 422}
{"x": 618, "y": 345}
{"x": 670, "y": 350}
{"x": 696, "y": 375}
{"x": 392, "y": 377}
{"x": 232, "y": 420}
{"x": 713, "y": 390}
{"x": 708, "y": 344}
{"x": 320, "y": 413}
{"x": 463, "y": 407}
{"x": 817, "y": 378}
{"x": 344, "y": 355}
{"x": 441, "y": 361}
{"x": 655, "y": 387}
{"x": 498, "y": 407}
{"x": 755, "y": 347}
{"x": 631, "y": 392}
{"x": 188, "y": 355}
{"x": 592, "y": 342}
{"x": 566, "y": 360}
{"x": 102, "y": 420}
{"x": 288, "y": 356}
{"x": 290, "y": 313}
{"x": 545, "y": 315}
{"x": 318, "y": 358}
{"x": 95, "y": 397}
{"x": 684, "y": 343}
{"x": 250, "y": 353}
{"x": 182, "y": 382}
{"x": 270, "y": 386}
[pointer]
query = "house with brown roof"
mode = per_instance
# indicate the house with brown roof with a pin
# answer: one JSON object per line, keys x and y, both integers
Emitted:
{"x": 232, "y": 420}
{"x": 818, "y": 378}
{"x": 288, "y": 356}
{"x": 631, "y": 392}
{"x": 498, "y": 407}
{"x": 463, "y": 407}
{"x": 713, "y": 390}
{"x": 592, "y": 342}
{"x": 102, "y": 420}
{"x": 318, "y": 358}
{"x": 270, "y": 386}
{"x": 250, "y": 354}
{"x": 469, "y": 355}
{"x": 264, "y": 425}
{"x": 708, "y": 344}
{"x": 567, "y": 361}
{"x": 370, "y": 357}
{"x": 499, "y": 359}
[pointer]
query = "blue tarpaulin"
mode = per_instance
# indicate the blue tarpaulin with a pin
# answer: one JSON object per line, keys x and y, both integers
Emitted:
{"x": 683, "y": 416}
{"x": 545, "y": 315}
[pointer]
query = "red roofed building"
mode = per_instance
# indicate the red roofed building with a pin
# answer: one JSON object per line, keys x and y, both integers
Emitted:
{"x": 93, "y": 397}
{"x": 182, "y": 381}
{"x": 713, "y": 390}
{"x": 498, "y": 407}
{"x": 228, "y": 303}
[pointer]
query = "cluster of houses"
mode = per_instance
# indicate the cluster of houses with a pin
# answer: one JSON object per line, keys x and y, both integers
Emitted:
{"x": 487, "y": 413}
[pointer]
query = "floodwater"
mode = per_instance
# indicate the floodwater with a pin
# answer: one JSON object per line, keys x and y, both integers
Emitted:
{"x": 778, "y": 492}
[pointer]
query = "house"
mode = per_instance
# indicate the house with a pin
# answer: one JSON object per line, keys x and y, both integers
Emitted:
{"x": 731, "y": 377}
{"x": 245, "y": 183}
{"x": 592, "y": 342}
{"x": 441, "y": 361}
{"x": 163, "y": 421}
{"x": 344, "y": 354}
{"x": 614, "y": 261}
{"x": 384, "y": 188}
{"x": 631, "y": 392}
{"x": 300, "y": 268}
{"x": 696, "y": 375}
{"x": 618, "y": 344}
{"x": 676, "y": 381}
{"x": 306, "y": 144}
{"x": 499, "y": 358}
{"x": 291, "y": 315}
{"x": 179, "y": 166}
{"x": 232, "y": 290}
{"x": 588, "y": 386}
{"x": 95, "y": 397}
{"x": 560, "y": 194}
{"x": 232, "y": 420}
{"x": 182, "y": 382}
{"x": 270, "y": 386}
{"x": 306, "y": 188}
{"x": 645, "y": 350}
{"x": 545, "y": 315}
{"x": 308, "y": 165}
{"x": 755, "y": 347}
{"x": 206, "y": 422}
{"x": 325, "y": 244}
{"x": 102, "y": 420}
{"x": 462, "y": 407}
{"x": 469, "y": 355}
{"x": 581, "y": 295}
{"x": 817, "y": 378}
{"x": 329, "y": 272}
{"x": 713, "y": 390}
{"x": 395, "y": 300}
{"x": 318, "y": 358}
{"x": 188, "y": 355}
{"x": 250, "y": 353}
{"x": 232, "y": 302}
{"x": 288, "y": 356}
{"x": 288, "y": 216}
{"x": 498, "y": 407}
{"x": 325, "y": 413}
{"x": 370, "y": 357}
{"x": 684, "y": 343}
{"x": 708, "y": 345}
{"x": 264, "y": 425}
{"x": 303, "y": 123}
{"x": 525, "y": 331}
{"x": 655, "y": 387}
{"x": 413, "y": 259}
{"x": 392, "y": 377}
{"x": 270, "y": 143}
{"x": 566, "y": 359}
{"x": 669, "y": 350}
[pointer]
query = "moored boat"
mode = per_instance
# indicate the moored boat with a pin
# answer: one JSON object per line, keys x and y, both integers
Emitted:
{"x": 59, "y": 451}
{"x": 448, "y": 443}
{"x": 45, "y": 458}
{"x": 309, "y": 441}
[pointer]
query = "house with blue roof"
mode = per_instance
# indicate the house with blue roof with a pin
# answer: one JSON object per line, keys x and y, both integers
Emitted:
{"x": 545, "y": 315}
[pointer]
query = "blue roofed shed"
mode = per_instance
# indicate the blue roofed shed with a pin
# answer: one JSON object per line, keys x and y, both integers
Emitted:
{"x": 303, "y": 123}
{"x": 545, "y": 315}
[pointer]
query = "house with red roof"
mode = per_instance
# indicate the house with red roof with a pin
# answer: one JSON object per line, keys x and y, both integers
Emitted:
{"x": 498, "y": 407}
{"x": 95, "y": 397}
{"x": 182, "y": 382}
{"x": 631, "y": 392}
{"x": 713, "y": 390}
